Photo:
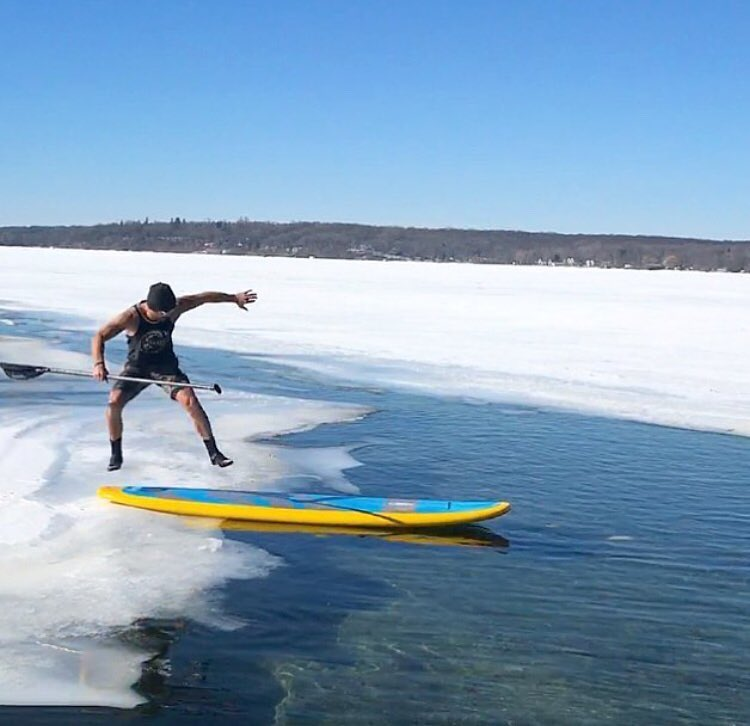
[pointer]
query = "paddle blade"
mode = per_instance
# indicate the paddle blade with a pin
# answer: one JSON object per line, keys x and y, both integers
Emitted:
{"x": 23, "y": 373}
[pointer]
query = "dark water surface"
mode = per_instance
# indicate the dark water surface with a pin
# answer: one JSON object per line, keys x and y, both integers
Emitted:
{"x": 616, "y": 591}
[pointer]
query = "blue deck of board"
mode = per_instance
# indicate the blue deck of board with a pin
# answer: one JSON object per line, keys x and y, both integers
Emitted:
{"x": 307, "y": 500}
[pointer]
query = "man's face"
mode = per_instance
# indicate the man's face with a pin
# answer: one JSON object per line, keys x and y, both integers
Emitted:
{"x": 156, "y": 314}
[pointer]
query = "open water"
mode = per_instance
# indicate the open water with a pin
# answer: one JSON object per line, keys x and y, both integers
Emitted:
{"x": 617, "y": 591}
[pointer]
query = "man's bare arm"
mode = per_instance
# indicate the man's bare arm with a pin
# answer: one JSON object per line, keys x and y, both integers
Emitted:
{"x": 190, "y": 302}
{"x": 106, "y": 332}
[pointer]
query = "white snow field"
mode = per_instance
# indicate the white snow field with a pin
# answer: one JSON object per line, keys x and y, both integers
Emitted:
{"x": 665, "y": 347}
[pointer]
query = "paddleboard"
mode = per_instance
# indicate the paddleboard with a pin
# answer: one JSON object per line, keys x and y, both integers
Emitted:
{"x": 335, "y": 510}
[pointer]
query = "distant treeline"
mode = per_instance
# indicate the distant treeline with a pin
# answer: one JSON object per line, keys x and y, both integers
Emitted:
{"x": 356, "y": 241}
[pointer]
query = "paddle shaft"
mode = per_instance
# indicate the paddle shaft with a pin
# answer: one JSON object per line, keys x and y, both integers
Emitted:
{"x": 34, "y": 371}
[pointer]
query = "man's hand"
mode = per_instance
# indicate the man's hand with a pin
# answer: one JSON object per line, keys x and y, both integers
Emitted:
{"x": 100, "y": 372}
{"x": 243, "y": 299}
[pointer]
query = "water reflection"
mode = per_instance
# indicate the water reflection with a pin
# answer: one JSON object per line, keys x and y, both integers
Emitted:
{"x": 464, "y": 536}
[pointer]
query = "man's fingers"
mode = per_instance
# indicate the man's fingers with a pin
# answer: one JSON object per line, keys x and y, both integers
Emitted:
{"x": 246, "y": 298}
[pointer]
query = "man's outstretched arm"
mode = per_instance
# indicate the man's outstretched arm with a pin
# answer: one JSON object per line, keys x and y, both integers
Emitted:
{"x": 190, "y": 302}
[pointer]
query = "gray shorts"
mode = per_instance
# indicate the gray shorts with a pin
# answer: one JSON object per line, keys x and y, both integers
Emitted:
{"x": 130, "y": 389}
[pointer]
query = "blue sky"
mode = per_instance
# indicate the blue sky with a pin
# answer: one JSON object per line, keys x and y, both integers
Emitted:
{"x": 577, "y": 116}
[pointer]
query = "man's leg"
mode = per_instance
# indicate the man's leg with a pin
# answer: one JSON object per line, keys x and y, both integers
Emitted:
{"x": 121, "y": 393}
{"x": 189, "y": 401}
{"x": 117, "y": 402}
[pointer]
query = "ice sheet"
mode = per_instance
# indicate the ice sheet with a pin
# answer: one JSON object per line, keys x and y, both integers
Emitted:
{"x": 666, "y": 347}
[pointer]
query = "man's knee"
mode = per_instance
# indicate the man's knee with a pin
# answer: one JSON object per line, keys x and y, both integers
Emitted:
{"x": 188, "y": 399}
{"x": 116, "y": 401}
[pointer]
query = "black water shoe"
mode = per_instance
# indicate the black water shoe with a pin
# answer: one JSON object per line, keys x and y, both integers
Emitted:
{"x": 218, "y": 459}
{"x": 115, "y": 461}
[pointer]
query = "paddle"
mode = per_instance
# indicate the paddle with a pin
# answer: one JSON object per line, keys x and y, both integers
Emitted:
{"x": 21, "y": 372}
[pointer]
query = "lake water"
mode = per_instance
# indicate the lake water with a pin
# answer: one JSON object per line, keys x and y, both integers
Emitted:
{"x": 616, "y": 591}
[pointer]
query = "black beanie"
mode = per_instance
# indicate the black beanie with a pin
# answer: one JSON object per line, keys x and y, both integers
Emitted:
{"x": 160, "y": 297}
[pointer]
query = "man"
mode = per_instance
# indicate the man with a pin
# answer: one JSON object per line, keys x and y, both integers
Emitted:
{"x": 149, "y": 325}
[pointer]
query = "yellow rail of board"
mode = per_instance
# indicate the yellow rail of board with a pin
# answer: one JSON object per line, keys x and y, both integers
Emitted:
{"x": 289, "y": 515}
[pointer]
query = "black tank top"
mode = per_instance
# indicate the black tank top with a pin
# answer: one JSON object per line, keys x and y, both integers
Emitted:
{"x": 151, "y": 345}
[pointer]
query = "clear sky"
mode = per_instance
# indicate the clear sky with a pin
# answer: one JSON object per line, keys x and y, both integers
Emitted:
{"x": 613, "y": 116}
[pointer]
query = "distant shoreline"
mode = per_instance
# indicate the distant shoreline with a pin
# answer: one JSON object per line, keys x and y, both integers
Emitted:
{"x": 365, "y": 242}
